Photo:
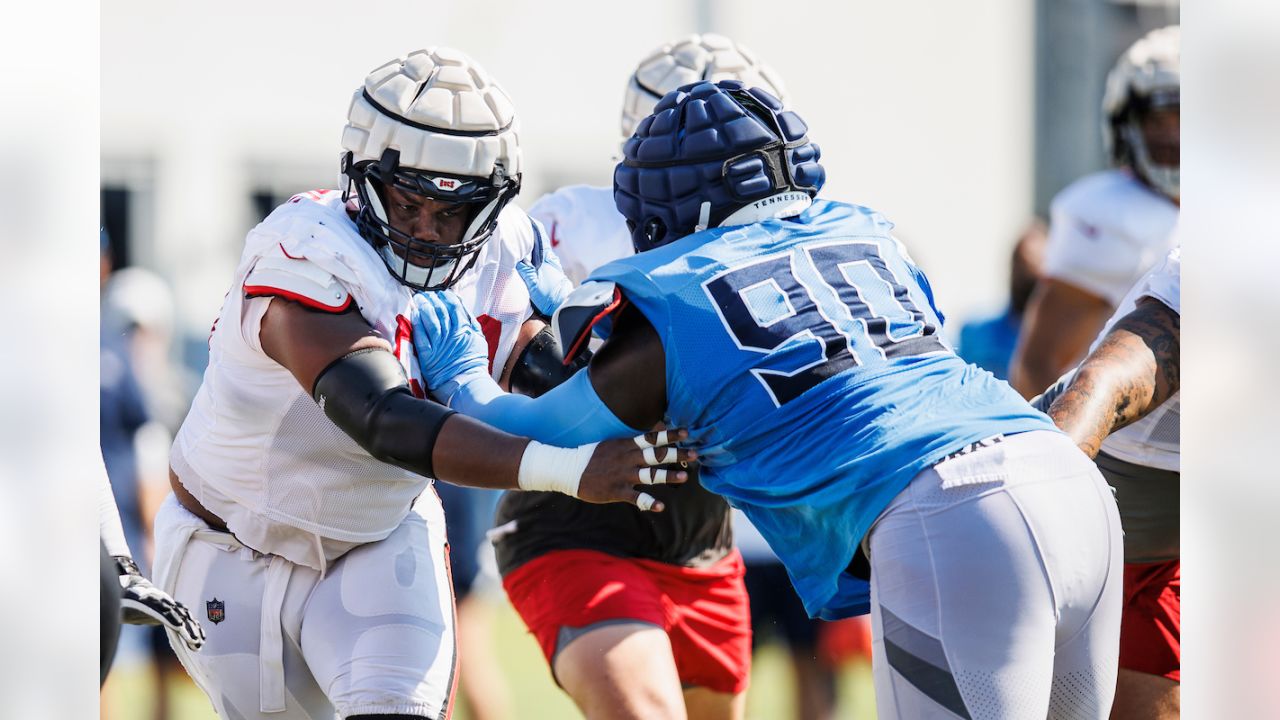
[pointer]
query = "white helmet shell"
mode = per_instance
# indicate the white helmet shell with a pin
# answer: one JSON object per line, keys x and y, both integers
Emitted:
{"x": 695, "y": 58}
{"x": 440, "y": 110}
{"x": 433, "y": 123}
{"x": 1150, "y": 71}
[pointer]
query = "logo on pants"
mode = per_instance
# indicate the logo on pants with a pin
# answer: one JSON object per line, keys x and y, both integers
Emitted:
{"x": 216, "y": 610}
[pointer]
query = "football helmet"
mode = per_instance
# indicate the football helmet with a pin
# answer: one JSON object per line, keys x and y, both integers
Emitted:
{"x": 1146, "y": 77}
{"x": 434, "y": 124}
{"x": 697, "y": 57}
{"x": 714, "y": 155}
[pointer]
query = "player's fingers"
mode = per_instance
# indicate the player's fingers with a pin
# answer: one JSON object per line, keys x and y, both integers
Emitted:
{"x": 648, "y": 503}
{"x": 670, "y": 456}
{"x": 662, "y": 476}
{"x": 661, "y": 437}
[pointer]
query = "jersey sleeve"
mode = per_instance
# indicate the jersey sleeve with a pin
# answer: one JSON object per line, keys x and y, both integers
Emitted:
{"x": 279, "y": 274}
{"x": 1086, "y": 252}
{"x": 1165, "y": 282}
{"x": 556, "y": 211}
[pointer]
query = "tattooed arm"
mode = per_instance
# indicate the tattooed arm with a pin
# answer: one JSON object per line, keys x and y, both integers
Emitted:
{"x": 1131, "y": 372}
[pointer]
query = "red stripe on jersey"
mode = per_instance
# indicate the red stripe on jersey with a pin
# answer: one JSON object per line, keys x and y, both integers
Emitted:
{"x": 492, "y": 330}
{"x": 252, "y": 291}
{"x": 583, "y": 335}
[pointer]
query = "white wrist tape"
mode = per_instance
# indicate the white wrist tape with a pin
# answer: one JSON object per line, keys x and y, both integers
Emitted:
{"x": 544, "y": 467}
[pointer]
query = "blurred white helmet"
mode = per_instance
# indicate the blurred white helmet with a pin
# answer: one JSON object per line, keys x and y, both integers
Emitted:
{"x": 139, "y": 298}
{"x": 434, "y": 124}
{"x": 694, "y": 58}
{"x": 1146, "y": 77}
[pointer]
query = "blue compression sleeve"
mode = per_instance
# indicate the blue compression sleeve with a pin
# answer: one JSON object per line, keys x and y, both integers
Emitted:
{"x": 568, "y": 415}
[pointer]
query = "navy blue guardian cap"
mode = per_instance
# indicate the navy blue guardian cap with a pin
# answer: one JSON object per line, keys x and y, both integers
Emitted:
{"x": 714, "y": 155}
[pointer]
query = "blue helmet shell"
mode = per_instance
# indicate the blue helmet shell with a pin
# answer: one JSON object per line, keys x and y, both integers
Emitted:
{"x": 719, "y": 144}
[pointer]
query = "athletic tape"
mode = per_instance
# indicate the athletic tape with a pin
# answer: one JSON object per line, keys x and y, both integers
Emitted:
{"x": 649, "y": 476}
{"x": 645, "y": 501}
{"x": 543, "y": 467}
{"x": 668, "y": 457}
{"x": 642, "y": 442}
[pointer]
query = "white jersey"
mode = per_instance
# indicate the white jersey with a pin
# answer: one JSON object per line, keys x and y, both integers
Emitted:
{"x": 585, "y": 227}
{"x": 255, "y": 449}
{"x": 1152, "y": 441}
{"x": 1105, "y": 231}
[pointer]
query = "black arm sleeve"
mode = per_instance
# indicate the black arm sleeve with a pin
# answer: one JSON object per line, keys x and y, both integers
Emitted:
{"x": 541, "y": 366}
{"x": 366, "y": 394}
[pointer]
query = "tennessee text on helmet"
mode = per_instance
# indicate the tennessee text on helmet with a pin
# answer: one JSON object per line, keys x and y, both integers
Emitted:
{"x": 707, "y": 57}
{"x": 435, "y": 125}
{"x": 1146, "y": 77}
{"x": 714, "y": 155}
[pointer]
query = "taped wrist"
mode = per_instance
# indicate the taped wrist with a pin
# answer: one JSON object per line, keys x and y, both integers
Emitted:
{"x": 543, "y": 467}
{"x": 366, "y": 394}
{"x": 541, "y": 366}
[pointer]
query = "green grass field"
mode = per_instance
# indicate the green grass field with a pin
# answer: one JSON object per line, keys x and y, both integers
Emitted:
{"x": 129, "y": 692}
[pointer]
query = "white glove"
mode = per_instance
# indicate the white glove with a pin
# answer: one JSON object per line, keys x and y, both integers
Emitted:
{"x": 142, "y": 603}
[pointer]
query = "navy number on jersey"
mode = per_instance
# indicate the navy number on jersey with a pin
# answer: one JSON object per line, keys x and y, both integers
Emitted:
{"x": 817, "y": 311}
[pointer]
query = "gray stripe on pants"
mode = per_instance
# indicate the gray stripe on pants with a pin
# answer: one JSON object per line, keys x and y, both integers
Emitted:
{"x": 920, "y": 660}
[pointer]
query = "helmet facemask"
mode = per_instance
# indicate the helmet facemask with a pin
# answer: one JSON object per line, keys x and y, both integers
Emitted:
{"x": 1164, "y": 178}
{"x": 421, "y": 264}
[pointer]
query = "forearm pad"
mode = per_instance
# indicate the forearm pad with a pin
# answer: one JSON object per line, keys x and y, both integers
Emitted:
{"x": 366, "y": 394}
{"x": 541, "y": 366}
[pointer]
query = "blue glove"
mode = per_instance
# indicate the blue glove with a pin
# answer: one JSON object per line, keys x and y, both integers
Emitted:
{"x": 543, "y": 275}
{"x": 447, "y": 341}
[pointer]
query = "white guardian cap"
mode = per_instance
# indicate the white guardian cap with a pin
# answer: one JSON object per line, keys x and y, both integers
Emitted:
{"x": 706, "y": 57}
{"x": 434, "y": 124}
{"x": 1146, "y": 77}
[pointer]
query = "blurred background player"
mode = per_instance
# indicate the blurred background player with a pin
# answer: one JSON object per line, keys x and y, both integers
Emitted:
{"x": 781, "y": 329}
{"x": 989, "y": 343}
{"x": 123, "y": 416}
{"x": 587, "y": 231}
{"x": 1107, "y": 229}
{"x": 137, "y": 309}
{"x": 302, "y": 520}
{"x": 1121, "y": 406}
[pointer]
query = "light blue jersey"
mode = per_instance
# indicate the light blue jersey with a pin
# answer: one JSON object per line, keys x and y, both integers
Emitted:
{"x": 804, "y": 357}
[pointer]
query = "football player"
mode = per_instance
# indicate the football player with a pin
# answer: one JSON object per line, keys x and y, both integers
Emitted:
{"x": 1121, "y": 406}
{"x": 678, "y": 640}
{"x": 302, "y": 522}
{"x": 689, "y": 547}
{"x": 799, "y": 343}
{"x": 1109, "y": 228}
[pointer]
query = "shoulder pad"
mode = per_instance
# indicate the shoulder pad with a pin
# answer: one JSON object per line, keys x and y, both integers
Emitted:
{"x": 279, "y": 274}
{"x": 585, "y": 308}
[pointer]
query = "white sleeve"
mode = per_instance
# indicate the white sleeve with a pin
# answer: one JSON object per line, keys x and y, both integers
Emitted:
{"x": 1164, "y": 283}
{"x": 553, "y": 211}
{"x": 1087, "y": 253}
{"x": 278, "y": 274}
{"x": 109, "y": 526}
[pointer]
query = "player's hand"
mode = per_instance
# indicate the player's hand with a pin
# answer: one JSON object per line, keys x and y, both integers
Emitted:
{"x": 142, "y": 603}
{"x": 446, "y": 339}
{"x": 544, "y": 276}
{"x": 619, "y": 467}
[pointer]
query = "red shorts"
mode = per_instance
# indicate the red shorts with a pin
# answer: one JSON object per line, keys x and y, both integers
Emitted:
{"x": 1150, "y": 628}
{"x": 703, "y": 610}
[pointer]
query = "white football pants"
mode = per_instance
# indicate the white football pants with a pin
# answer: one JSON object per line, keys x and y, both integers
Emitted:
{"x": 996, "y": 587}
{"x": 373, "y": 636}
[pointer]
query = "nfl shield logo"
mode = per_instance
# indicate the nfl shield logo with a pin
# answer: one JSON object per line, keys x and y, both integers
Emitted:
{"x": 216, "y": 609}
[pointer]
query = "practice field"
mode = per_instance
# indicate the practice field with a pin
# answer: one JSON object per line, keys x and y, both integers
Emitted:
{"x": 534, "y": 697}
